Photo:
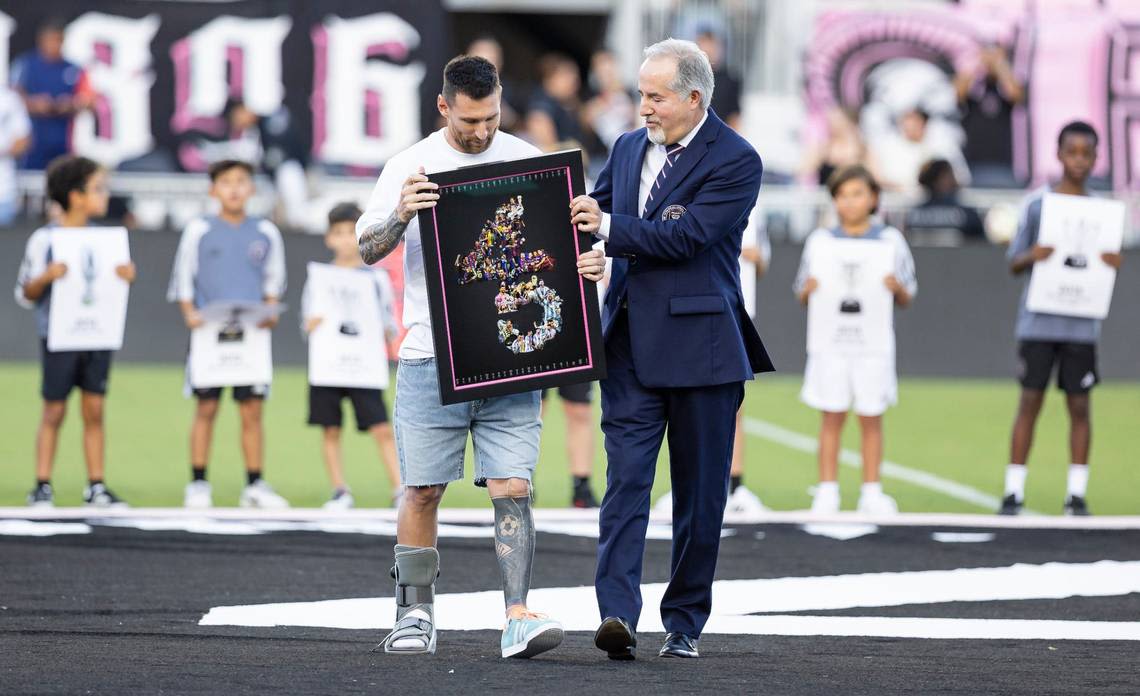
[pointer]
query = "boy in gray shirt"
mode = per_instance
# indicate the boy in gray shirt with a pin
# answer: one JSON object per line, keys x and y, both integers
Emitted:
{"x": 1045, "y": 340}
{"x": 230, "y": 257}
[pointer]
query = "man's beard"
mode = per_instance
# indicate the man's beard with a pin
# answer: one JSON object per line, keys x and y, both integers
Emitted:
{"x": 656, "y": 135}
{"x": 472, "y": 146}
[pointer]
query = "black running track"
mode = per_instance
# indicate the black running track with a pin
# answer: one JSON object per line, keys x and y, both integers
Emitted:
{"x": 116, "y": 611}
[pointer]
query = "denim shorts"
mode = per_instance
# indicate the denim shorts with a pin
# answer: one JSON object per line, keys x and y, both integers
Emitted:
{"x": 431, "y": 439}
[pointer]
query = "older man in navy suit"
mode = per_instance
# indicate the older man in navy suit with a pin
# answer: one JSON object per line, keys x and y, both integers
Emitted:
{"x": 671, "y": 205}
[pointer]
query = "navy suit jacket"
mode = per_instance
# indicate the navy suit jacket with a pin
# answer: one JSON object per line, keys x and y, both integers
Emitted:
{"x": 677, "y": 267}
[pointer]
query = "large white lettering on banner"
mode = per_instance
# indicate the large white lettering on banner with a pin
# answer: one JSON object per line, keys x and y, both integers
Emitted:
{"x": 1074, "y": 280}
{"x": 116, "y": 53}
{"x": 228, "y": 55}
{"x": 347, "y": 348}
{"x": 365, "y": 109}
{"x": 852, "y": 310}
{"x": 89, "y": 303}
{"x": 229, "y": 349}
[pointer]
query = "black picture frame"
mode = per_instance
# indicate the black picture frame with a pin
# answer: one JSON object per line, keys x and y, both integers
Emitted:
{"x": 509, "y": 311}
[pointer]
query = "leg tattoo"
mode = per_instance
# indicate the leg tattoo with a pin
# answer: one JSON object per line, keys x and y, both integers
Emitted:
{"x": 514, "y": 546}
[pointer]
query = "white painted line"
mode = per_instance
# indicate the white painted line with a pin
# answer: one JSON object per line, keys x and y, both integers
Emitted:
{"x": 840, "y": 531}
{"x": 922, "y": 479}
{"x": 28, "y": 528}
{"x": 963, "y": 537}
{"x": 574, "y": 515}
{"x": 737, "y": 603}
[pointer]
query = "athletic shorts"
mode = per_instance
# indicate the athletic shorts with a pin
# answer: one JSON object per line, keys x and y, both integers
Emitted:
{"x": 367, "y": 404}
{"x": 1076, "y": 365}
{"x": 431, "y": 439}
{"x": 839, "y": 383}
{"x": 62, "y": 370}
{"x": 579, "y": 393}
{"x": 243, "y": 393}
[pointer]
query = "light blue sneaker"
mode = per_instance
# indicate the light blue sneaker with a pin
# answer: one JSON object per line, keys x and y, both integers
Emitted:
{"x": 530, "y": 635}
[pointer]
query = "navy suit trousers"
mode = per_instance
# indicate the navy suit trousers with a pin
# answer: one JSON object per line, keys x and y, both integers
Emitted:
{"x": 699, "y": 423}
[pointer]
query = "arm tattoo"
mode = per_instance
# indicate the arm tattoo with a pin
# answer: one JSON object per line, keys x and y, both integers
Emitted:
{"x": 379, "y": 239}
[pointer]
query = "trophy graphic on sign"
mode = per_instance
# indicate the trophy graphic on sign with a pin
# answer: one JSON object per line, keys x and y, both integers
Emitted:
{"x": 232, "y": 330}
{"x": 850, "y": 303}
{"x": 1079, "y": 235}
{"x": 347, "y": 299}
{"x": 88, "y": 265}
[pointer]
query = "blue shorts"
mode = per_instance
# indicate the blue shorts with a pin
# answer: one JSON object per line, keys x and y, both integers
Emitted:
{"x": 431, "y": 439}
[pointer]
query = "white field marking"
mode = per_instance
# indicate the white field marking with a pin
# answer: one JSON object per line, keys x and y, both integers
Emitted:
{"x": 736, "y": 601}
{"x": 922, "y": 479}
{"x": 461, "y": 516}
{"x": 28, "y": 528}
{"x": 963, "y": 537}
{"x": 839, "y": 530}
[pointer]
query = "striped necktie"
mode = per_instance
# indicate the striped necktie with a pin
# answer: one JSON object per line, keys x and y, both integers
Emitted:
{"x": 672, "y": 154}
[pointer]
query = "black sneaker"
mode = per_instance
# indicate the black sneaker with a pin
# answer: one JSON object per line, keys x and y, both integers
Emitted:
{"x": 98, "y": 495}
{"x": 1075, "y": 505}
{"x": 583, "y": 497}
{"x": 1010, "y": 505}
{"x": 41, "y": 496}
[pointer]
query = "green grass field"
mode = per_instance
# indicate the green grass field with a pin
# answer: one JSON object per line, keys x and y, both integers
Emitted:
{"x": 957, "y": 429}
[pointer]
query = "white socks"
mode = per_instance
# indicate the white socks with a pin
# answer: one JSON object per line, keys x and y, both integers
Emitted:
{"x": 1015, "y": 480}
{"x": 1078, "y": 479}
{"x": 871, "y": 490}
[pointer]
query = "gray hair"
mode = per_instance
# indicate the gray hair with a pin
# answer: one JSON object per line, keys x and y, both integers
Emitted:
{"x": 694, "y": 72}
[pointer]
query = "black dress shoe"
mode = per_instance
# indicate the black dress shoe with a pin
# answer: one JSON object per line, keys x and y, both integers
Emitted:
{"x": 617, "y": 638}
{"x": 679, "y": 645}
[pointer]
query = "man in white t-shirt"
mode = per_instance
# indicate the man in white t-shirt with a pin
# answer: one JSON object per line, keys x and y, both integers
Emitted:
{"x": 15, "y": 136}
{"x": 431, "y": 438}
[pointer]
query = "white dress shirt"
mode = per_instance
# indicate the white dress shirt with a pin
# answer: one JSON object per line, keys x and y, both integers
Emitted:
{"x": 650, "y": 168}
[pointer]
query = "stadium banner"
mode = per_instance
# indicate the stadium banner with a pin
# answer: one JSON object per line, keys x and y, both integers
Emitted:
{"x": 347, "y": 348}
{"x": 852, "y": 310}
{"x": 89, "y": 303}
{"x": 230, "y": 349}
{"x": 509, "y": 311}
{"x": 164, "y": 72}
{"x": 1075, "y": 281}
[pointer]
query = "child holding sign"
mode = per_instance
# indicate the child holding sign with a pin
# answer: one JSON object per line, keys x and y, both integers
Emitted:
{"x": 849, "y": 277}
{"x": 367, "y": 365}
{"x": 79, "y": 186}
{"x": 1048, "y": 340}
{"x": 229, "y": 257}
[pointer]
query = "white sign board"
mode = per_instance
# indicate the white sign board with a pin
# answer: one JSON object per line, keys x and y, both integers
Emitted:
{"x": 230, "y": 350}
{"x": 1075, "y": 281}
{"x": 89, "y": 303}
{"x": 852, "y": 310}
{"x": 347, "y": 348}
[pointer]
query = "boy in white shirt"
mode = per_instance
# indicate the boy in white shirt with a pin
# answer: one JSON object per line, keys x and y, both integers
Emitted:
{"x": 838, "y": 382}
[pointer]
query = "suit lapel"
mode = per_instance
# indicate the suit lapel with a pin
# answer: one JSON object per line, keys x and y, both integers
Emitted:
{"x": 688, "y": 159}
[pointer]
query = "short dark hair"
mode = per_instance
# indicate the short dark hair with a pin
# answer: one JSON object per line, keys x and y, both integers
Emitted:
{"x": 470, "y": 75}
{"x": 932, "y": 171}
{"x": 1077, "y": 128}
{"x": 851, "y": 173}
{"x": 222, "y": 166}
{"x": 69, "y": 173}
{"x": 55, "y": 25}
{"x": 344, "y": 212}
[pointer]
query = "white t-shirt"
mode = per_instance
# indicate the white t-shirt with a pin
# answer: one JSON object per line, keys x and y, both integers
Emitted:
{"x": 14, "y": 124}
{"x": 434, "y": 154}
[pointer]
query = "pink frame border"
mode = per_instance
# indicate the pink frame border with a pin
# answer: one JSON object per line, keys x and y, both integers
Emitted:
{"x": 442, "y": 283}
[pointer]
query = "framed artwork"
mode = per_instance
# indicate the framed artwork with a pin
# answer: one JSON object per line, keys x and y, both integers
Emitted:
{"x": 509, "y": 311}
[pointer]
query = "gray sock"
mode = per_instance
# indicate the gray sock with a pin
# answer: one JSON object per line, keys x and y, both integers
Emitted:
{"x": 514, "y": 546}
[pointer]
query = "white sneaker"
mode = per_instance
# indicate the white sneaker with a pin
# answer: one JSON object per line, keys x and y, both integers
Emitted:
{"x": 825, "y": 502}
{"x": 261, "y": 495}
{"x": 879, "y": 504}
{"x": 198, "y": 495}
{"x": 664, "y": 505}
{"x": 746, "y": 502}
{"x": 341, "y": 500}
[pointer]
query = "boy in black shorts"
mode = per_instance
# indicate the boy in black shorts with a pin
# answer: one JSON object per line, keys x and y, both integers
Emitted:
{"x": 1048, "y": 340}
{"x": 79, "y": 186}
{"x": 367, "y": 404}
{"x": 580, "y": 434}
